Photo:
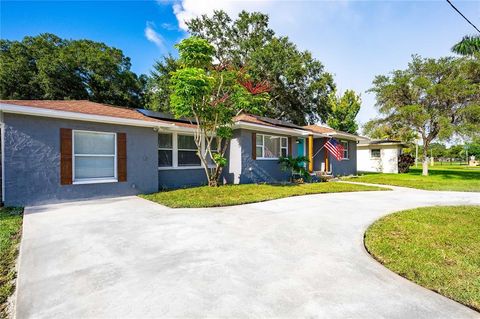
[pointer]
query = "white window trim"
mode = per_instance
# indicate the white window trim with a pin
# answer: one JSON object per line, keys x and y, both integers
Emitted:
{"x": 175, "y": 150}
{"x": 188, "y": 150}
{"x": 263, "y": 146}
{"x": 95, "y": 180}
{"x": 345, "y": 149}
{"x": 167, "y": 149}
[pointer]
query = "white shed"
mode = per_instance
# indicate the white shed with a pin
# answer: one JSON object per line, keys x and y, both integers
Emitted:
{"x": 378, "y": 155}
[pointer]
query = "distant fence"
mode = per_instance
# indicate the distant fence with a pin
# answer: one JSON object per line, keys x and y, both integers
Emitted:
{"x": 446, "y": 161}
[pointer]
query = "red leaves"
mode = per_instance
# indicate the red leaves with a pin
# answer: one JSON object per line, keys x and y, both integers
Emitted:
{"x": 219, "y": 100}
{"x": 258, "y": 88}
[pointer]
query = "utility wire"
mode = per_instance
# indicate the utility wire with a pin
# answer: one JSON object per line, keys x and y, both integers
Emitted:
{"x": 450, "y": 3}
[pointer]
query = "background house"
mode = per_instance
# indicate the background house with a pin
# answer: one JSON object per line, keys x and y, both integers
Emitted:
{"x": 378, "y": 155}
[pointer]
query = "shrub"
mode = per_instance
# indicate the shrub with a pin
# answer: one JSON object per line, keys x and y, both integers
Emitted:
{"x": 404, "y": 163}
{"x": 296, "y": 167}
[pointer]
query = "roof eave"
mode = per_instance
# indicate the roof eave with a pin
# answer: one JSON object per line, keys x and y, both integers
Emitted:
{"x": 42, "y": 112}
{"x": 345, "y": 135}
{"x": 266, "y": 128}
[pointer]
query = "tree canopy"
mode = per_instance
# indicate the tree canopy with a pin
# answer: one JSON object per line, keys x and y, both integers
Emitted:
{"x": 299, "y": 84}
{"x": 342, "y": 111}
{"x": 435, "y": 98}
{"x": 48, "y": 67}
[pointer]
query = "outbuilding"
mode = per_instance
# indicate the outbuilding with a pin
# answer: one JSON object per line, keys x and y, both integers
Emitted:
{"x": 379, "y": 156}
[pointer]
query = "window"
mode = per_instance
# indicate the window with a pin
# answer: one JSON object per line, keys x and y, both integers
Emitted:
{"x": 179, "y": 151}
{"x": 165, "y": 150}
{"x": 345, "y": 149}
{"x": 94, "y": 156}
{"x": 375, "y": 153}
{"x": 271, "y": 147}
{"x": 187, "y": 151}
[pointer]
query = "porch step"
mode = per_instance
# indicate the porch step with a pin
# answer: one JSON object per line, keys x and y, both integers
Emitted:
{"x": 321, "y": 173}
{"x": 321, "y": 176}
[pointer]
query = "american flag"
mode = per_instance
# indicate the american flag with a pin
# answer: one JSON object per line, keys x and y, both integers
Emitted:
{"x": 335, "y": 148}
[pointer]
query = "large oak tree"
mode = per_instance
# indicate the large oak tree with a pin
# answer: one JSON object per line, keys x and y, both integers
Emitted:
{"x": 48, "y": 67}
{"x": 300, "y": 86}
{"x": 435, "y": 98}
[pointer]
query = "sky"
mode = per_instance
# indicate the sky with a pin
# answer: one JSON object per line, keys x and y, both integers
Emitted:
{"x": 355, "y": 40}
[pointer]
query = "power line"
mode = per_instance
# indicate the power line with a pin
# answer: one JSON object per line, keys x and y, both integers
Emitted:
{"x": 450, "y": 3}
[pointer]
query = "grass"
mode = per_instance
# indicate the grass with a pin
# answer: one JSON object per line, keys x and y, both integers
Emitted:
{"x": 441, "y": 178}
{"x": 10, "y": 232}
{"x": 435, "y": 247}
{"x": 228, "y": 195}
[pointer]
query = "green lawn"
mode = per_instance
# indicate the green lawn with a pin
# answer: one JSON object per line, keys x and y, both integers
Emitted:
{"x": 228, "y": 195}
{"x": 441, "y": 178}
{"x": 436, "y": 247}
{"x": 10, "y": 232}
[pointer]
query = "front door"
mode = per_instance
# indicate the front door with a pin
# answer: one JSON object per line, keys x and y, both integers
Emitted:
{"x": 301, "y": 147}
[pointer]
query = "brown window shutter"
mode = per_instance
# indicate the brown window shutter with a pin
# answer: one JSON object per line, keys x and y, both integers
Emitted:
{"x": 254, "y": 146}
{"x": 122, "y": 157}
{"x": 65, "y": 156}
{"x": 290, "y": 145}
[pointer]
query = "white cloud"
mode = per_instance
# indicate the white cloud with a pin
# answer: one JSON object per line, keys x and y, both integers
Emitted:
{"x": 187, "y": 9}
{"x": 169, "y": 26}
{"x": 154, "y": 36}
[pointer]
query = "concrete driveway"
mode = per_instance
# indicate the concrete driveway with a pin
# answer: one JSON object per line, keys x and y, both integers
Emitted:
{"x": 293, "y": 257}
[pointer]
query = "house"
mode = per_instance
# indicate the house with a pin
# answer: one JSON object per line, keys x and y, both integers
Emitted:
{"x": 70, "y": 150}
{"x": 378, "y": 155}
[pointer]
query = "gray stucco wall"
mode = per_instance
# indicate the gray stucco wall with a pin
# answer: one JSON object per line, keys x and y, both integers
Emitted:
{"x": 32, "y": 161}
{"x": 320, "y": 156}
{"x": 346, "y": 167}
{"x": 339, "y": 168}
{"x": 180, "y": 178}
{"x": 250, "y": 170}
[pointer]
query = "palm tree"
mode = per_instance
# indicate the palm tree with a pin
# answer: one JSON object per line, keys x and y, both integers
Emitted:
{"x": 468, "y": 46}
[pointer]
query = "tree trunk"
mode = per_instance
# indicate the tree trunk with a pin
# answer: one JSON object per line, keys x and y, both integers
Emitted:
{"x": 425, "y": 159}
{"x": 213, "y": 182}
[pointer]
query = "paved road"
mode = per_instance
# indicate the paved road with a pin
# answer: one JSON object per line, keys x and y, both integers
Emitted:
{"x": 293, "y": 257}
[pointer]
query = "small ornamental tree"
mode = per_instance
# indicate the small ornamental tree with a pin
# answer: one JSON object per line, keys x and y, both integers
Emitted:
{"x": 211, "y": 95}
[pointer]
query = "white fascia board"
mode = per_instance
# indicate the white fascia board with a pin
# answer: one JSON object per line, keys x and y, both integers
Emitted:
{"x": 268, "y": 129}
{"x": 179, "y": 129}
{"x": 380, "y": 144}
{"x": 36, "y": 111}
{"x": 314, "y": 134}
{"x": 345, "y": 136}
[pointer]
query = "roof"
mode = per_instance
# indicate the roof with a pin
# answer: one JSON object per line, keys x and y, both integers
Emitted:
{"x": 244, "y": 117}
{"x": 90, "y": 109}
{"x": 322, "y": 129}
{"x": 386, "y": 141}
{"x": 167, "y": 117}
{"x": 319, "y": 129}
{"x": 381, "y": 142}
{"x": 100, "y": 112}
{"x": 84, "y": 107}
